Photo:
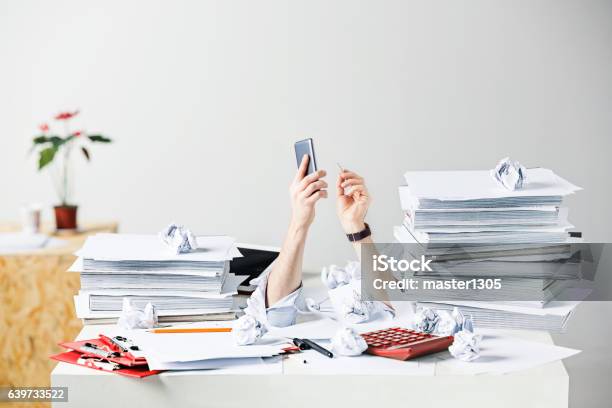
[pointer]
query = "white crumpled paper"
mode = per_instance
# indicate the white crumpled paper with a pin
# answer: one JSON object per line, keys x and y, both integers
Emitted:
{"x": 353, "y": 268}
{"x": 347, "y": 342}
{"x": 425, "y": 320}
{"x": 312, "y": 305}
{"x": 466, "y": 346}
{"x": 451, "y": 323}
{"x": 509, "y": 173}
{"x": 354, "y": 310}
{"x": 179, "y": 238}
{"x": 253, "y": 324}
{"x": 134, "y": 318}
{"x": 335, "y": 276}
{"x": 247, "y": 330}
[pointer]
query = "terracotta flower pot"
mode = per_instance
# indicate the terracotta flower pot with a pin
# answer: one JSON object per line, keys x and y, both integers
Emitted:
{"x": 66, "y": 217}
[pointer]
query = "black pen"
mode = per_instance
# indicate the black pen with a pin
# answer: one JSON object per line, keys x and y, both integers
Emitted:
{"x": 305, "y": 344}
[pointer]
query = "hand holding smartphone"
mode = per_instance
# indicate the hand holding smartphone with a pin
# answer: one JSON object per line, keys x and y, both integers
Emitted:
{"x": 306, "y": 147}
{"x": 307, "y": 187}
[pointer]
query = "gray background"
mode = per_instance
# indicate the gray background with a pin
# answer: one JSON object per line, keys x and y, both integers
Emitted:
{"x": 205, "y": 100}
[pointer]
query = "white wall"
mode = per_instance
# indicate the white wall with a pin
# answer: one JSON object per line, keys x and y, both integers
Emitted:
{"x": 205, "y": 100}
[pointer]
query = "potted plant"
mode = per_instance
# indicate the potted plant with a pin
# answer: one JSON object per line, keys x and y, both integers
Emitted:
{"x": 56, "y": 149}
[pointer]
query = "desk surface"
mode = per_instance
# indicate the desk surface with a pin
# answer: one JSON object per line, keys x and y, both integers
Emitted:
{"x": 295, "y": 383}
{"x": 542, "y": 386}
{"x": 72, "y": 240}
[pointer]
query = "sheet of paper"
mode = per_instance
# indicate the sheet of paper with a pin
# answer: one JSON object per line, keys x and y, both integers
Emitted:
{"x": 554, "y": 307}
{"x": 501, "y": 354}
{"x": 231, "y": 366}
{"x": 119, "y": 247}
{"x": 12, "y": 242}
{"x": 364, "y": 364}
{"x": 561, "y": 226}
{"x": 77, "y": 266}
{"x": 230, "y": 288}
{"x": 316, "y": 329}
{"x": 81, "y": 303}
{"x": 478, "y": 184}
{"x": 180, "y": 347}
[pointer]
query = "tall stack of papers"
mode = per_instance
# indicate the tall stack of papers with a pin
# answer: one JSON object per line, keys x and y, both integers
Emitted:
{"x": 183, "y": 287}
{"x": 477, "y": 228}
{"x": 465, "y": 206}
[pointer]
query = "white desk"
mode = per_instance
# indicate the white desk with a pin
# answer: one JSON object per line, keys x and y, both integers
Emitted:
{"x": 544, "y": 386}
{"x": 295, "y": 385}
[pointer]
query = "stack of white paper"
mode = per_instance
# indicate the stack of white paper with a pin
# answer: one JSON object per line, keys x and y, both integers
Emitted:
{"x": 182, "y": 287}
{"x": 477, "y": 228}
{"x": 470, "y": 206}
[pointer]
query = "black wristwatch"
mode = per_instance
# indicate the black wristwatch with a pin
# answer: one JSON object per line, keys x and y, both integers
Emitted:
{"x": 358, "y": 236}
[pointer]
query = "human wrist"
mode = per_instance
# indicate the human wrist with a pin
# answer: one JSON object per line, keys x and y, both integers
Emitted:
{"x": 298, "y": 228}
{"x": 353, "y": 226}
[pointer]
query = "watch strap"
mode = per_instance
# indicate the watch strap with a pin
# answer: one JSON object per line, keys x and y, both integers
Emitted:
{"x": 358, "y": 236}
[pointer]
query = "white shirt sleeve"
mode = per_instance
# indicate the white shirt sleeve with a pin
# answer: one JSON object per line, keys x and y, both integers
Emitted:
{"x": 283, "y": 312}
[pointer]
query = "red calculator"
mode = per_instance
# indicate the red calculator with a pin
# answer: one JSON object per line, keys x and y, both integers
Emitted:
{"x": 404, "y": 344}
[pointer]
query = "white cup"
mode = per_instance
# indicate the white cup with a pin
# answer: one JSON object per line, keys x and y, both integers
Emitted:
{"x": 30, "y": 219}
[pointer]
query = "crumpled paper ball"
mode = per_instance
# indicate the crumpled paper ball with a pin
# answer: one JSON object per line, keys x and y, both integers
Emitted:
{"x": 510, "y": 174}
{"x": 247, "y": 330}
{"x": 451, "y": 323}
{"x": 312, "y": 305}
{"x": 180, "y": 239}
{"x": 253, "y": 324}
{"x": 426, "y": 320}
{"x": 354, "y": 310}
{"x": 353, "y": 269}
{"x": 382, "y": 310}
{"x": 134, "y": 318}
{"x": 466, "y": 346}
{"x": 347, "y": 342}
{"x": 334, "y": 276}
{"x": 256, "y": 307}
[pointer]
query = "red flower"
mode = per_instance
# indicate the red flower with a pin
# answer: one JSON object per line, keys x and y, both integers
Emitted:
{"x": 78, "y": 133}
{"x": 66, "y": 115}
{"x": 44, "y": 128}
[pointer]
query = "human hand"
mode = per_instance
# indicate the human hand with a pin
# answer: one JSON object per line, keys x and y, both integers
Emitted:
{"x": 305, "y": 191}
{"x": 352, "y": 208}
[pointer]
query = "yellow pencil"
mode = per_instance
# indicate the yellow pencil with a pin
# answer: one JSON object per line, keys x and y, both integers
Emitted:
{"x": 194, "y": 330}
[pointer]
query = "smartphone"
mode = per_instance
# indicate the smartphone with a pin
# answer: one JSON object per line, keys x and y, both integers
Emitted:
{"x": 303, "y": 147}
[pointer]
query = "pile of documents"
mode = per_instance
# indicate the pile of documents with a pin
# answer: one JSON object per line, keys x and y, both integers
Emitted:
{"x": 477, "y": 228}
{"x": 186, "y": 287}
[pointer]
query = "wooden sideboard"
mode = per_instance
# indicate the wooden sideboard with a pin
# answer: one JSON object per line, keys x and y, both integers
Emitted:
{"x": 37, "y": 308}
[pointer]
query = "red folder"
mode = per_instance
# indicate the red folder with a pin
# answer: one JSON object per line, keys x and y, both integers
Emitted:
{"x": 125, "y": 358}
{"x": 72, "y": 357}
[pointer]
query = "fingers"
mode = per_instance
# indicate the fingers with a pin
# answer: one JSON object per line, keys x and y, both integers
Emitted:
{"x": 316, "y": 196}
{"x": 339, "y": 188}
{"x": 358, "y": 191}
{"x": 351, "y": 182}
{"x": 311, "y": 178}
{"x": 346, "y": 174}
{"x": 313, "y": 187}
{"x": 302, "y": 169}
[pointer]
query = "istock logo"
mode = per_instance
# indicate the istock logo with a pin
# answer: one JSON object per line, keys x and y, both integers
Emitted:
{"x": 384, "y": 263}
